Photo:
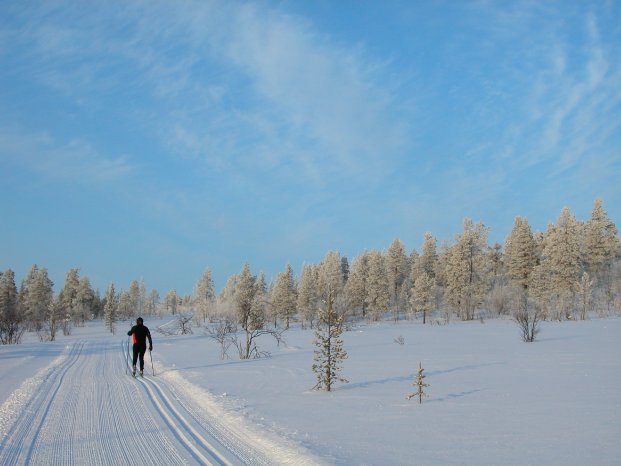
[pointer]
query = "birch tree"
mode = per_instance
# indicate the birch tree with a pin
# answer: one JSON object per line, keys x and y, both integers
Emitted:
{"x": 204, "y": 295}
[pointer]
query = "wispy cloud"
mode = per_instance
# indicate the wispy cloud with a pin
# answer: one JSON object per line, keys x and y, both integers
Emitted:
{"x": 75, "y": 160}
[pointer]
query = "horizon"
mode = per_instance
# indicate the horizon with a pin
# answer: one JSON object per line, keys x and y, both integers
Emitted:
{"x": 147, "y": 140}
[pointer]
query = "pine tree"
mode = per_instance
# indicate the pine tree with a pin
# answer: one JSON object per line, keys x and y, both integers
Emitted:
{"x": 397, "y": 265}
{"x": 427, "y": 261}
{"x": 561, "y": 262}
{"x": 329, "y": 352}
{"x": 330, "y": 275}
{"x": 601, "y": 246}
{"x": 110, "y": 308}
{"x": 11, "y": 320}
{"x": 307, "y": 294}
{"x": 68, "y": 301}
{"x": 520, "y": 253}
{"x": 356, "y": 287}
{"x": 83, "y": 305}
{"x": 422, "y": 294}
{"x": 419, "y": 383}
{"x": 377, "y": 287}
{"x": 284, "y": 295}
{"x": 466, "y": 281}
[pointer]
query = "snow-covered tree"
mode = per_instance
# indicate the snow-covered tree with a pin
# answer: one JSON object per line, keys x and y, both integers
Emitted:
{"x": 330, "y": 275}
{"x": 601, "y": 247}
{"x": 356, "y": 287}
{"x": 110, "y": 308}
{"x": 377, "y": 286}
{"x": 11, "y": 320}
{"x": 67, "y": 299}
{"x": 397, "y": 269}
{"x": 584, "y": 294}
{"x": 329, "y": 351}
{"x": 419, "y": 383}
{"x": 422, "y": 294}
{"x": 466, "y": 269}
{"x": 125, "y": 309}
{"x": 284, "y": 296}
{"x": 171, "y": 301}
{"x": 204, "y": 296}
{"x": 84, "y": 300}
{"x": 152, "y": 301}
{"x": 560, "y": 266}
{"x": 520, "y": 253}
{"x": 307, "y": 294}
{"x": 427, "y": 261}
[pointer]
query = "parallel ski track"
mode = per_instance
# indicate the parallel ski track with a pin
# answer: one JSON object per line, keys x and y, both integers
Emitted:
{"x": 88, "y": 411}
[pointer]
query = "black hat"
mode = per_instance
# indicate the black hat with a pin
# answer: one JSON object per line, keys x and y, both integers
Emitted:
{"x": 139, "y": 320}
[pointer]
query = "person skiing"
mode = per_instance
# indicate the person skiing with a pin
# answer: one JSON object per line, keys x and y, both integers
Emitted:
{"x": 140, "y": 334}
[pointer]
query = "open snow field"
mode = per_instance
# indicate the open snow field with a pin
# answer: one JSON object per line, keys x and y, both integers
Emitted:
{"x": 492, "y": 399}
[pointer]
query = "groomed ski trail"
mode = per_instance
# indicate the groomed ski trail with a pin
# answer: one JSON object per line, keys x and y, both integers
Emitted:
{"x": 86, "y": 410}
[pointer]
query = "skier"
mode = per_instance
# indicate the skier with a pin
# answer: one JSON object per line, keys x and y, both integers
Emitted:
{"x": 140, "y": 334}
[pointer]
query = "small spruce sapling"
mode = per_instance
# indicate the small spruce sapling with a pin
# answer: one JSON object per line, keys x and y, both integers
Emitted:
{"x": 419, "y": 383}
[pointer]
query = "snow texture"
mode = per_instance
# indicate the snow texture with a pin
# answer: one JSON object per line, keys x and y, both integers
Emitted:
{"x": 492, "y": 399}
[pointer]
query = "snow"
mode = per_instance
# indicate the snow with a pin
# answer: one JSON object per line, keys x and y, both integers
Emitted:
{"x": 492, "y": 399}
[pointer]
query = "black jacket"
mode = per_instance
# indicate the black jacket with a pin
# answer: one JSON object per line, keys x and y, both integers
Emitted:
{"x": 140, "y": 334}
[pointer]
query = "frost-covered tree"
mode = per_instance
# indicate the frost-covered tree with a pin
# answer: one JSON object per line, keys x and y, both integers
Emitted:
{"x": 520, "y": 253}
{"x": 377, "y": 286}
{"x": 584, "y": 294}
{"x": 397, "y": 269}
{"x": 11, "y": 320}
{"x": 152, "y": 301}
{"x": 330, "y": 275}
{"x": 125, "y": 309}
{"x": 601, "y": 241}
{"x": 601, "y": 247}
{"x": 204, "y": 296}
{"x": 110, "y": 308}
{"x": 171, "y": 301}
{"x": 422, "y": 294}
{"x": 67, "y": 299}
{"x": 428, "y": 259}
{"x": 329, "y": 351}
{"x": 35, "y": 297}
{"x": 84, "y": 301}
{"x": 560, "y": 265}
{"x": 307, "y": 294}
{"x": 356, "y": 287}
{"x": 419, "y": 383}
{"x": 466, "y": 281}
{"x": 284, "y": 295}
{"x": 249, "y": 309}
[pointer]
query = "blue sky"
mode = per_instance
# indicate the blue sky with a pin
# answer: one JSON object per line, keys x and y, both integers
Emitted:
{"x": 157, "y": 138}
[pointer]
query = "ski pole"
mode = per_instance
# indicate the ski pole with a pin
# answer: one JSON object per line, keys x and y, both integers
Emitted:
{"x": 123, "y": 349}
{"x": 128, "y": 353}
{"x": 151, "y": 356}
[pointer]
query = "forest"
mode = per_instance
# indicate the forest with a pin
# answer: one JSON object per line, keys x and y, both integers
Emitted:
{"x": 569, "y": 271}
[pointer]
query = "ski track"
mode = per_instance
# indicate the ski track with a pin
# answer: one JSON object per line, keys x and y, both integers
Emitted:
{"x": 86, "y": 410}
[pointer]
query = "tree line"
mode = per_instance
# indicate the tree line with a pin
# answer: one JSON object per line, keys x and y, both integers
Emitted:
{"x": 570, "y": 269}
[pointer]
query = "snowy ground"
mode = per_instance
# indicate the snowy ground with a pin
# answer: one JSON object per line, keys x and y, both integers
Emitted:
{"x": 492, "y": 399}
